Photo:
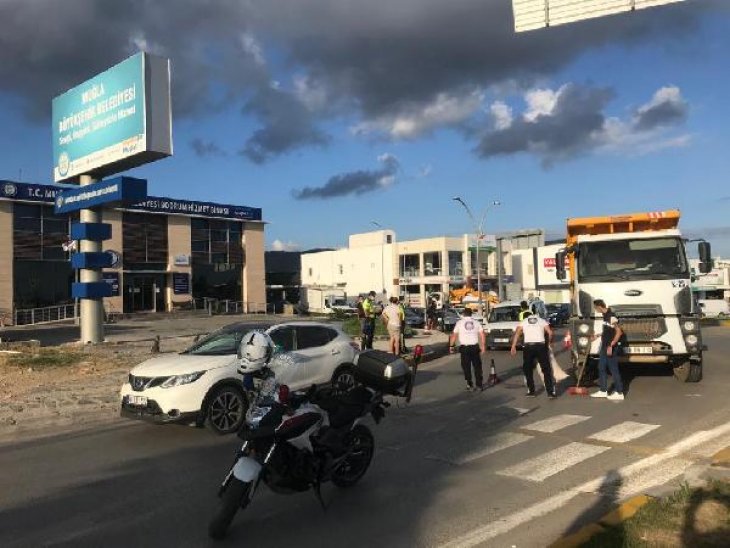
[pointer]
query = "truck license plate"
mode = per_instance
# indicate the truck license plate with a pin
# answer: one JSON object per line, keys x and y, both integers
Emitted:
{"x": 639, "y": 350}
{"x": 137, "y": 400}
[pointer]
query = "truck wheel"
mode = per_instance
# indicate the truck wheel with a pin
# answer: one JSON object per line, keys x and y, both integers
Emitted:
{"x": 689, "y": 372}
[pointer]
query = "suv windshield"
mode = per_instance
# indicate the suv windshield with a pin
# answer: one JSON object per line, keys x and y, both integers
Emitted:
{"x": 504, "y": 314}
{"x": 222, "y": 343}
{"x": 639, "y": 259}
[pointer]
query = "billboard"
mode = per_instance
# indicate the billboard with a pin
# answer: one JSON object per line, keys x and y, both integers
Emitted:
{"x": 545, "y": 266}
{"x": 115, "y": 121}
{"x": 535, "y": 14}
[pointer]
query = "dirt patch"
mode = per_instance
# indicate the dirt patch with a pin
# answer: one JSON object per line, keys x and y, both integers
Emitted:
{"x": 697, "y": 517}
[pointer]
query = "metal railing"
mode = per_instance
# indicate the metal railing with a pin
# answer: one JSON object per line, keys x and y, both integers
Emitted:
{"x": 48, "y": 314}
{"x": 228, "y": 306}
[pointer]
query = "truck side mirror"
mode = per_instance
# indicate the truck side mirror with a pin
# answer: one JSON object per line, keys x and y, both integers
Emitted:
{"x": 705, "y": 253}
{"x": 560, "y": 272}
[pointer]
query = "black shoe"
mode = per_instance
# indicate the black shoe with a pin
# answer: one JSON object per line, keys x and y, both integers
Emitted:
{"x": 469, "y": 387}
{"x": 531, "y": 395}
{"x": 552, "y": 396}
{"x": 479, "y": 388}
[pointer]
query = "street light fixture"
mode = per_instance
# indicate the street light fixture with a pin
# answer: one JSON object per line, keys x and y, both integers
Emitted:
{"x": 479, "y": 227}
{"x": 382, "y": 256}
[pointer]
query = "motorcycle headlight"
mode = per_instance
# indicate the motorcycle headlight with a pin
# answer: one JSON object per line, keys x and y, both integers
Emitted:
{"x": 689, "y": 325}
{"x": 179, "y": 380}
{"x": 584, "y": 328}
{"x": 583, "y": 341}
{"x": 691, "y": 340}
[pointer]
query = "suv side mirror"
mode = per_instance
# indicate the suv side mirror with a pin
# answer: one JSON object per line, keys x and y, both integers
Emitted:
{"x": 705, "y": 253}
{"x": 560, "y": 272}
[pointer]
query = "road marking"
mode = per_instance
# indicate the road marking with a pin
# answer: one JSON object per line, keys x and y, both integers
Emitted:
{"x": 558, "y": 422}
{"x": 493, "y": 444}
{"x": 520, "y": 410}
{"x": 623, "y": 432}
{"x": 548, "y": 464}
{"x": 627, "y": 476}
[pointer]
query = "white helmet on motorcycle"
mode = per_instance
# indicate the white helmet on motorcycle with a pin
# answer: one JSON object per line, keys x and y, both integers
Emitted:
{"x": 255, "y": 351}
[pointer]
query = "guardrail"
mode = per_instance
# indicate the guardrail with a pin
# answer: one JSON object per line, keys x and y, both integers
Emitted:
{"x": 48, "y": 314}
{"x": 228, "y": 306}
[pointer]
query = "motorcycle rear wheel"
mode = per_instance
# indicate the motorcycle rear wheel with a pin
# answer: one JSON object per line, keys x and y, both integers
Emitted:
{"x": 352, "y": 469}
{"x": 233, "y": 498}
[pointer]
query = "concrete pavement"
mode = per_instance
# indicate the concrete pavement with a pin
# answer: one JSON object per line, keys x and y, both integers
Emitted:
{"x": 452, "y": 469}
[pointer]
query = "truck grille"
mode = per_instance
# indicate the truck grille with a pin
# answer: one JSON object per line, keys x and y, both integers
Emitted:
{"x": 643, "y": 329}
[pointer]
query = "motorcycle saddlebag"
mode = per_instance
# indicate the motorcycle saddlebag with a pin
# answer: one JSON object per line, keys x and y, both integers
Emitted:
{"x": 382, "y": 371}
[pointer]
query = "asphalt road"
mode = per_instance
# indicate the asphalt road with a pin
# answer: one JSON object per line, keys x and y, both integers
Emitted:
{"x": 452, "y": 469}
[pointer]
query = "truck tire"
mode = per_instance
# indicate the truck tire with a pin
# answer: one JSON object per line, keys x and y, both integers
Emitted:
{"x": 688, "y": 372}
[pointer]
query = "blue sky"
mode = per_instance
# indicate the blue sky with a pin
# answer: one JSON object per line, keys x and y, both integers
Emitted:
{"x": 634, "y": 117}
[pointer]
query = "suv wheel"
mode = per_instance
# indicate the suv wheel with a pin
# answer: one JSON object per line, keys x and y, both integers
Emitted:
{"x": 226, "y": 409}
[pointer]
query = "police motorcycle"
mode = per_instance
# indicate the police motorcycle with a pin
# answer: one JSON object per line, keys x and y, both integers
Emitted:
{"x": 294, "y": 442}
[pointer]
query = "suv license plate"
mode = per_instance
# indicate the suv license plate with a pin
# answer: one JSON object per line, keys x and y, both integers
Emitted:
{"x": 137, "y": 400}
{"x": 501, "y": 340}
{"x": 639, "y": 350}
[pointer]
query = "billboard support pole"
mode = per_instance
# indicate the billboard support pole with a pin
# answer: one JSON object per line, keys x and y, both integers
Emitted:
{"x": 92, "y": 310}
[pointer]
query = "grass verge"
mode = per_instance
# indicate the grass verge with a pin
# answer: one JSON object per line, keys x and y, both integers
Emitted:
{"x": 46, "y": 358}
{"x": 694, "y": 517}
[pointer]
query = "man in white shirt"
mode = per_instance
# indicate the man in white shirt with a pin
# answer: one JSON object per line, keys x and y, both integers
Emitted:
{"x": 535, "y": 330}
{"x": 472, "y": 343}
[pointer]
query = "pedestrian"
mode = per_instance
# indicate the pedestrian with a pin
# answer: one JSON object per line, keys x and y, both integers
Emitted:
{"x": 393, "y": 319}
{"x": 402, "y": 340}
{"x": 612, "y": 339}
{"x": 472, "y": 343}
{"x": 361, "y": 319}
{"x": 431, "y": 315}
{"x": 537, "y": 337}
{"x": 524, "y": 311}
{"x": 368, "y": 307}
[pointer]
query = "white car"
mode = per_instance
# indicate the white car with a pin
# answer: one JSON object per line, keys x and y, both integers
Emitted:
{"x": 202, "y": 384}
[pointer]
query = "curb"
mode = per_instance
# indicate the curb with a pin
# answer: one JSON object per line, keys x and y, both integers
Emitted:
{"x": 721, "y": 459}
{"x": 624, "y": 511}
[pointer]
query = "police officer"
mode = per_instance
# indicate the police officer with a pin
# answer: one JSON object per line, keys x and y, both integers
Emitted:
{"x": 535, "y": 331}
{"x": 524, "y": 311}
{"x": 402, "y": 340}
{"x": 472, "y": 343}
{"x": 368, "y": 307}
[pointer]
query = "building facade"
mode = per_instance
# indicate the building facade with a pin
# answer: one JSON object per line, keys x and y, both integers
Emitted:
{"x": 169, "y": 252}
{"x": 414, "y": 269}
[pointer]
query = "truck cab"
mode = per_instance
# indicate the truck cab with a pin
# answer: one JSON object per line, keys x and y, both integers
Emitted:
{"x": 637, "y": 264}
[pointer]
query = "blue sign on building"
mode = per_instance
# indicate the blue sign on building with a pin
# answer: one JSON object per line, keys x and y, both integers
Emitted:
{"x": 118, "y": 190}
{"x": 181, "y": 283}
{"x": 29, "y": 192}
{"x": 112, "y": 278}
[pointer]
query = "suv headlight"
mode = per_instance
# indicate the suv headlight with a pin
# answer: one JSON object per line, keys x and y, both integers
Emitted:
{"x": 179, "y": 380}
{"x": 584, "y": 328}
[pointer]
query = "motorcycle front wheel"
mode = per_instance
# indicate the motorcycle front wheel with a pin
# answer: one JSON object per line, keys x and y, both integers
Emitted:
{"x": 362, "y": 446}
{"x": 234, "y": 497}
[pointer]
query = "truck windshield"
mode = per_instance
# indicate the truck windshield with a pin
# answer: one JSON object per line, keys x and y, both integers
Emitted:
{"x": 638, "y": 259}
{"x": 504, "y": 314}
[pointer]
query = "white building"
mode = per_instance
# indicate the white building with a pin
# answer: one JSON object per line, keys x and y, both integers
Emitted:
{"x": 413, "y": 268}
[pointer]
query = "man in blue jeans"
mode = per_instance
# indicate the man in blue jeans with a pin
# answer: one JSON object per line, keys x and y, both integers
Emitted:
{"x": 608, "y": 357}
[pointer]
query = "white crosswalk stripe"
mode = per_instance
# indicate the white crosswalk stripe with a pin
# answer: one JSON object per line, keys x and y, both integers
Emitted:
{"x": 623, "y": 432}
{"x": 558, "y": 422}
{"x": 553, "y": 462}
{"x": 495, "y": 443}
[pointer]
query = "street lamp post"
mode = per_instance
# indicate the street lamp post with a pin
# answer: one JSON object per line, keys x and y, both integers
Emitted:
{"x": 480, "y": 234}
{"x": 382, "y": 256}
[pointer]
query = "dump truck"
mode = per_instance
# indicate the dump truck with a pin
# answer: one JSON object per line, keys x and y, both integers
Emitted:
{"x": 637, "y": 264}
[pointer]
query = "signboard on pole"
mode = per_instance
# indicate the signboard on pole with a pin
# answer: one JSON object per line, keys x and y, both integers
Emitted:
{"x": 113, "y": 191}
{"x": 535, "y": 14}
{"x": 115, "y": 121}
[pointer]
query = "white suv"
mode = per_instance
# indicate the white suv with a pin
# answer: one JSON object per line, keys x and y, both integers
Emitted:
{"x": 202, "y": 384}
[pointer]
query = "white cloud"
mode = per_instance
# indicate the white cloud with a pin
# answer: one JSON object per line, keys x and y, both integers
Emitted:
{"x": 310, "y": 92}
{"x": 278, "y": 245}
{"x": 541, "y": 102}
{"x": 253, "y": 48}
{"x": 502, "y": 114}
{"x": 446, "y": 110}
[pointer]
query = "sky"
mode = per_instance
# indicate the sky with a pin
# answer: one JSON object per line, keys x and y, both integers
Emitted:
{"x": 334, "y": 114}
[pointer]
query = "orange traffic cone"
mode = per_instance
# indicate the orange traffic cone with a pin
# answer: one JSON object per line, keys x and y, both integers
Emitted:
{"x": 493, "y": 378}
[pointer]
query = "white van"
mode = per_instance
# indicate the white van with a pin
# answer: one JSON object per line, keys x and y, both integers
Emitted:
{"x": 714, "y": 308}
{"x": 503, "y": 320}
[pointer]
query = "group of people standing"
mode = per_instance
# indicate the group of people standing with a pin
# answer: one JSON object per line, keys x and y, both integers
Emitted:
{"x": 393, "y": 316}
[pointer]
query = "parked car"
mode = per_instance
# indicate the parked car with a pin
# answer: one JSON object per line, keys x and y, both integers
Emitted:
{"x": 558, "y": 314}
{"x": 714, "y": 308}
{"x": 415, "y": 318}
{"x": 202, "y": 384}
{"x": 447, "y": 319}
